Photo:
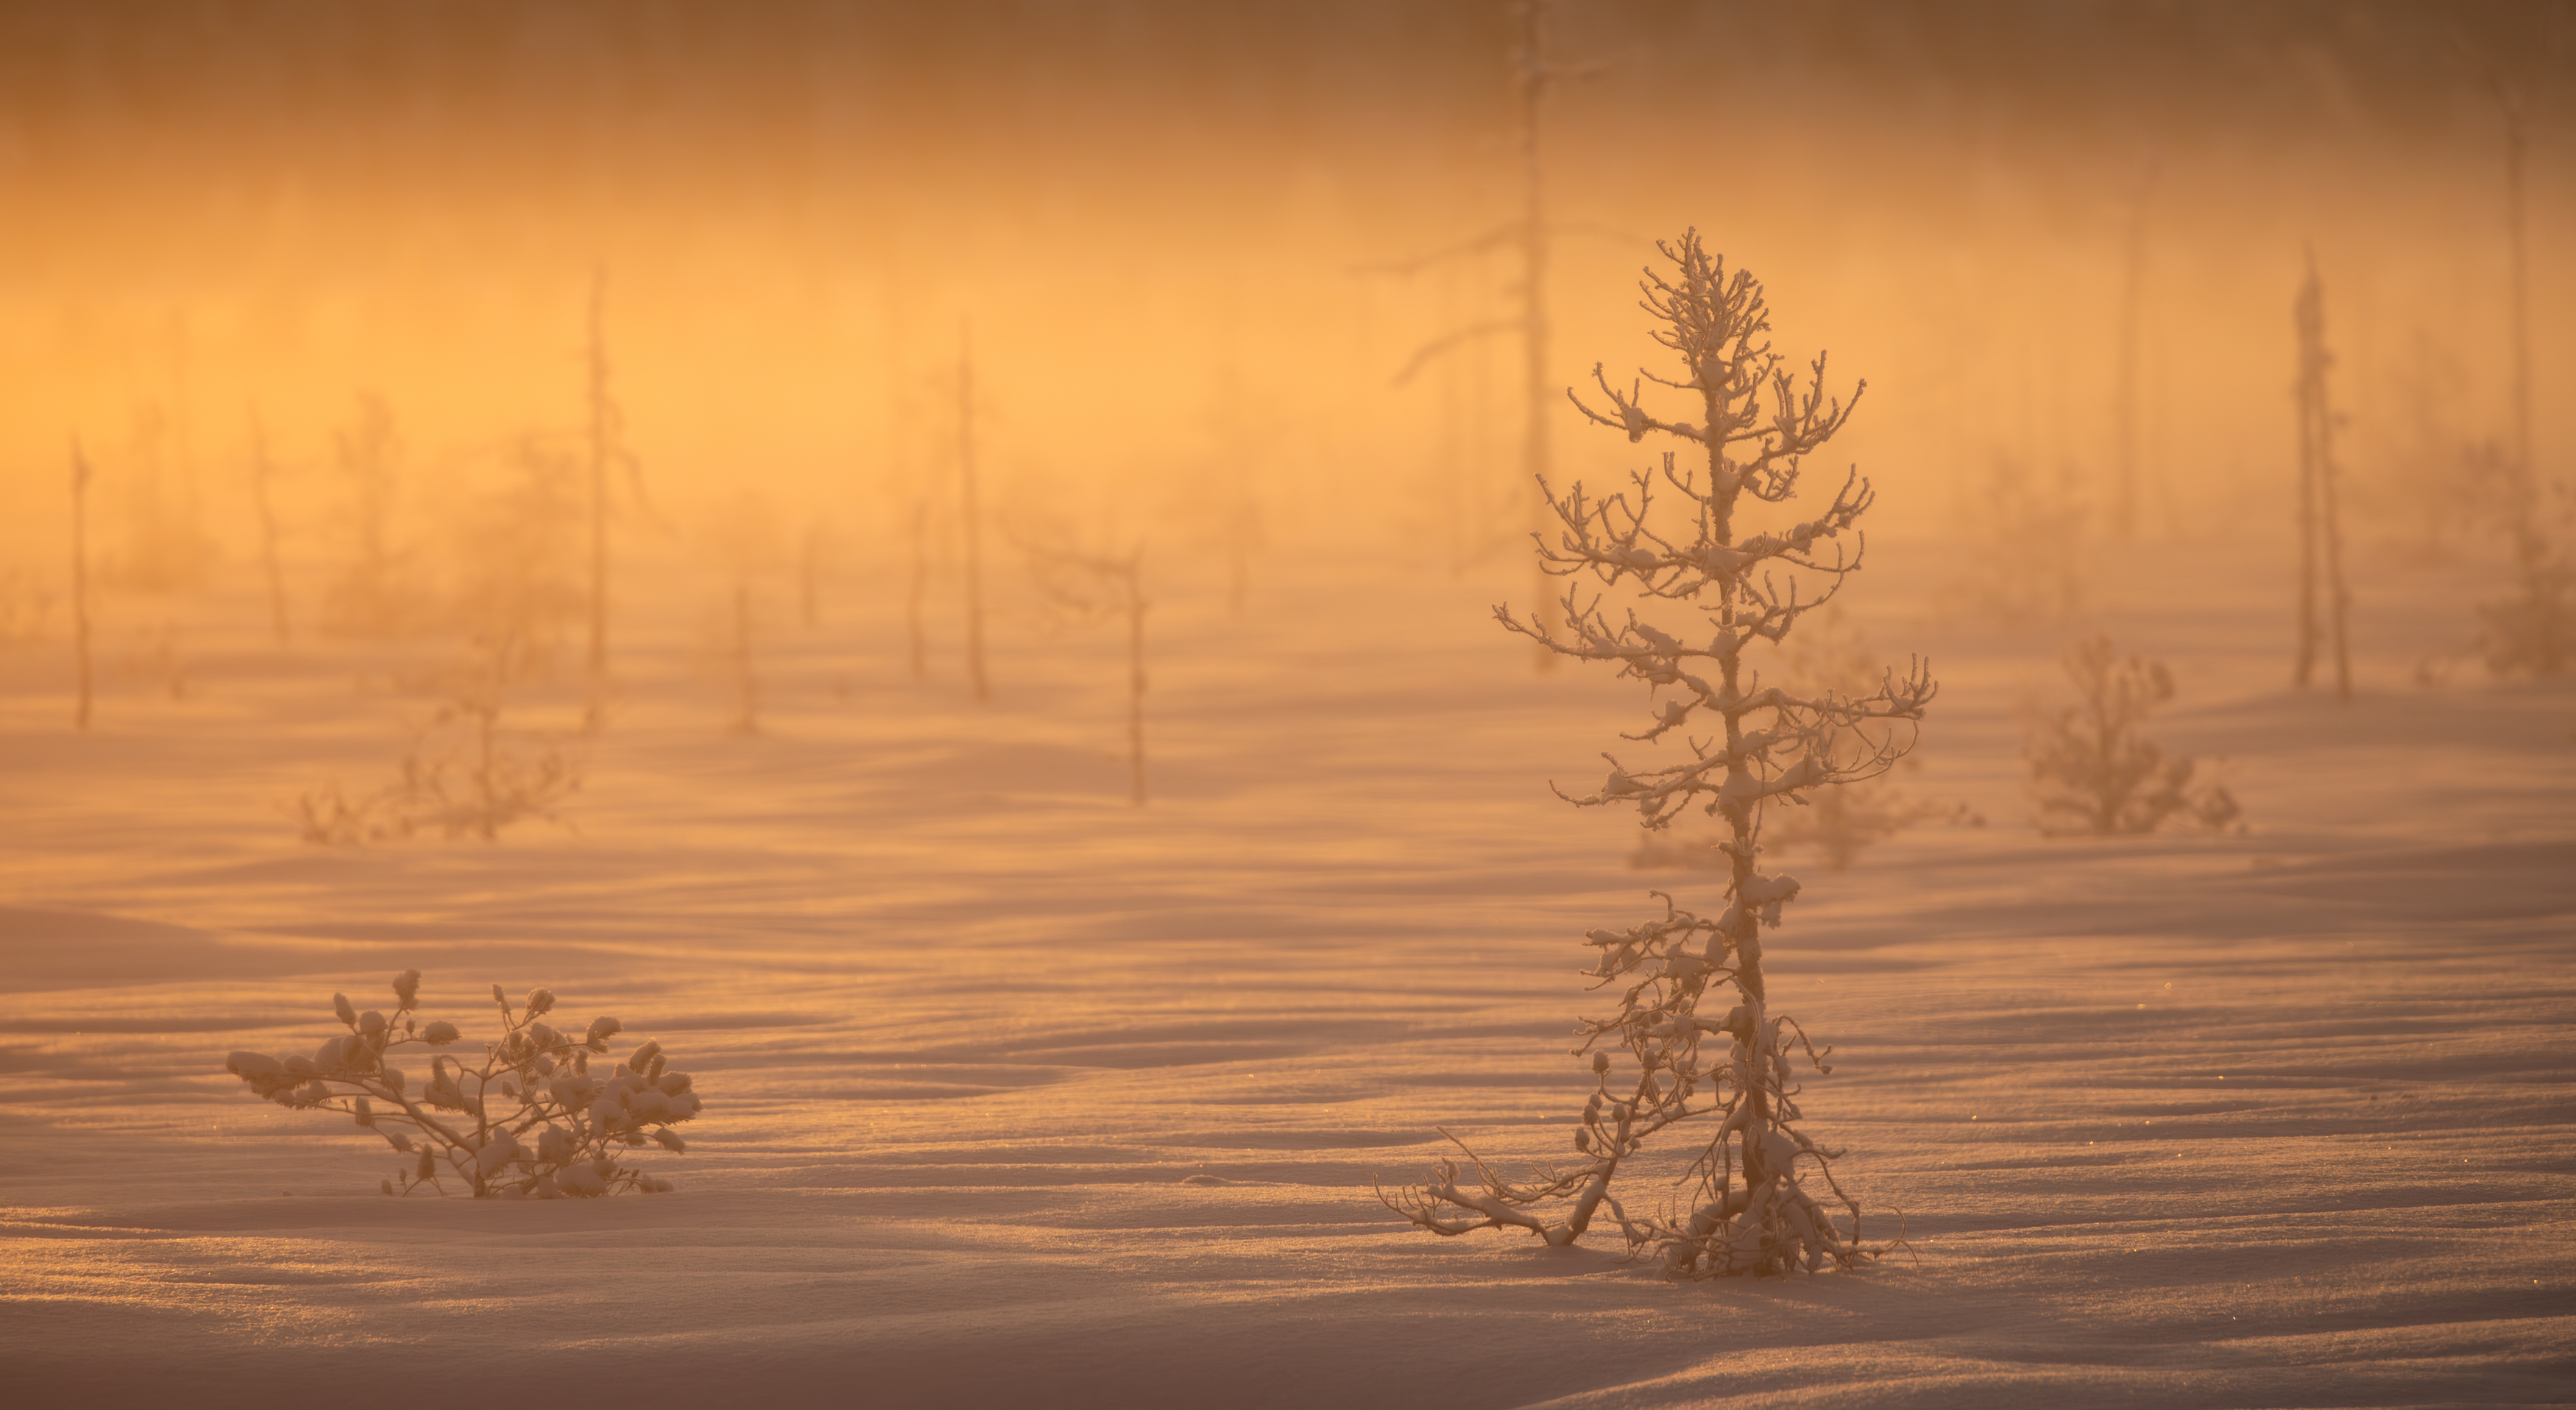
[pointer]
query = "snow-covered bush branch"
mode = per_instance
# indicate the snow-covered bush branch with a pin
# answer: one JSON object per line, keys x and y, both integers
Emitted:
{"x": 524, "y": 1117}
{"x": 1746, "y": 1202}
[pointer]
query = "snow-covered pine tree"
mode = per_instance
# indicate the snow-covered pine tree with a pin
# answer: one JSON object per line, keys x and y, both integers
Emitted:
{"x": 1666, "y": 1057}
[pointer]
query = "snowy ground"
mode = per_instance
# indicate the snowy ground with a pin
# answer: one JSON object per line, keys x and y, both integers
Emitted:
{"x": 1017, "y": 1095}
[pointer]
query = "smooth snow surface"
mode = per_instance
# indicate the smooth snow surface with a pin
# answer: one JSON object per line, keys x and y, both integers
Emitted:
{"x": 1019, "y": 1096}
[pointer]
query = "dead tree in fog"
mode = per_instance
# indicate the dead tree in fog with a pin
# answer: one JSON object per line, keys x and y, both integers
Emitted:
{"x": 260, "y": 471}
{"x": 606, "y": 448}
{"x": 1531, "y": 78}
{"x": 2133, "y": 281}
{"x": 1769, "y": 747}
{"x": 966, "y": 490}
{"x": 2320, "y": 520}
{"x": 80, "y": 585}
{"x": 2532, "y": 631}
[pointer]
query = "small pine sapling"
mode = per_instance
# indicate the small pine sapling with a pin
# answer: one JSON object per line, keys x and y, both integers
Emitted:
{"x": 1746, "y": 1202}
{"x": 2096, "y": 773}
{"x": 528, "y": 1119}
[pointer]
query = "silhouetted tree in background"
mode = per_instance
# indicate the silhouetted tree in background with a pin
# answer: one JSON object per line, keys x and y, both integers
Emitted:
{"x": 2320, "y": 514}
{"x": 1532, "y": 76}
{"x": 2095, "y": 770}
{"x": 2532, "y": 630}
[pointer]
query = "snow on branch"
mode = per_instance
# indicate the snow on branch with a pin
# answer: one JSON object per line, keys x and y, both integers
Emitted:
{"x": 525, "y": 1116}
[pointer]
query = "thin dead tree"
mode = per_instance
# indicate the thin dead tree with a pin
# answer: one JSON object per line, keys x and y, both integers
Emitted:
{"x": 973, "y": 513}
{"x": 903, "y": 472}
{"x": 261, "y": 470}
{"x": 2133, "y": 282}
{"x": 606, "y": 448}
{"x": 1532, "y": 78}
{"x": 2320, "y": 520}
{"x": 80, "y": 584}
{"x": 1744, "y": 1203}
{"x": 2532, "y": 631}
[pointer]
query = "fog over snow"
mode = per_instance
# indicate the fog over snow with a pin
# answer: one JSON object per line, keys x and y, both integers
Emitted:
{"x": 914, "y": 586}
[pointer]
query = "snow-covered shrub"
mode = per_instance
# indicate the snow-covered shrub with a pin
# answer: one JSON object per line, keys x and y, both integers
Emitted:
{"x": 524, "y": 1116}
{"x": 1693, "y": 1038}
{"x": 2096, "y": 772}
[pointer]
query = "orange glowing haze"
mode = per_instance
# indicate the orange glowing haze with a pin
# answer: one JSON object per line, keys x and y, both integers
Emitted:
{"x": 922, "y": 576}
{"x": 1158, "y": 220}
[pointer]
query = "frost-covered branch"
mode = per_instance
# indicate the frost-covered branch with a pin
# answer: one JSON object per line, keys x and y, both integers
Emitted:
{"x": 529, "y": 1118}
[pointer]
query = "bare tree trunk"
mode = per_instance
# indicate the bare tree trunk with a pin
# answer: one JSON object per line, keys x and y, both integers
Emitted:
{"x": 595, "y": 716}
{"x": 2124, "y": 504}
{"x": 1532, "y": 77}
{"x": 974, "y": 520}
{"x": 259, "y": 476}
{"x": 80, "y": 583}
{"x": 2321, "y": 523}
{"x": 2339, "y": 597}
{"x": 2531, "y": 545}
